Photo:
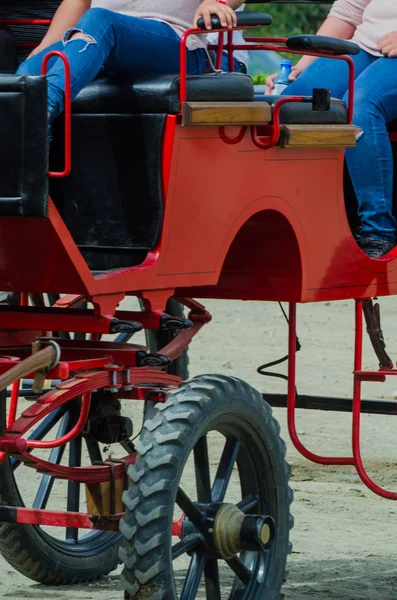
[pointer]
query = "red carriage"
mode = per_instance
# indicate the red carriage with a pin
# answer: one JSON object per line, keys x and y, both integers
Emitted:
{"x": 164, "y": 190}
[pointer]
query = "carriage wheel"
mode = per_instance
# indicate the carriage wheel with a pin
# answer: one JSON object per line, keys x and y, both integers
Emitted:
{"x": 64, "y": 556}
{"x": 230, "y": 532}
{"x": 46, "y": 554}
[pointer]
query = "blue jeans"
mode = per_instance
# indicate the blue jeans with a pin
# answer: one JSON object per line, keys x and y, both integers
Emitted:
{"x": 125, "y": 46}
{"x": 371, "y": 162}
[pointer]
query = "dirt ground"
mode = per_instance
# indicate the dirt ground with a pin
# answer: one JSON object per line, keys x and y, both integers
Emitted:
{"x": 344, "y": 536}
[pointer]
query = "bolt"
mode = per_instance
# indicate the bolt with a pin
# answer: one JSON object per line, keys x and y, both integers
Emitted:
{"x": 210, "y": 530}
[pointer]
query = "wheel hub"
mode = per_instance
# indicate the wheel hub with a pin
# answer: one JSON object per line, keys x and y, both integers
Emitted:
{"x": 226, "y": 530}
{"x": 234, "y": 531}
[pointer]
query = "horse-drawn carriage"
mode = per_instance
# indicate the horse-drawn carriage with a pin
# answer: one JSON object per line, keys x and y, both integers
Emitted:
{"x": 165, "y": 189}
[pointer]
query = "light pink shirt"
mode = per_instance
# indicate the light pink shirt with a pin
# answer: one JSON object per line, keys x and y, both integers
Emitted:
{"x": 372, "y": 18}
{"x": 177, "y": 13}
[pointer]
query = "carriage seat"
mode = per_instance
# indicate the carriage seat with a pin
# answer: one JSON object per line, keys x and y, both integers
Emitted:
{"x": 160, "y": 94}
{"x": 301, "y": 113}
{"x": 112, "y": 201}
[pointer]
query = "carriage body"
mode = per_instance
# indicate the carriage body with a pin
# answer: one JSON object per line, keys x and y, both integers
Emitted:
{"x": 180, "y": 187}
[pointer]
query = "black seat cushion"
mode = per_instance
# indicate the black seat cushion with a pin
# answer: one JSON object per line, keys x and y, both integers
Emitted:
{"x": 24, "y": 151}
{"x": 112, "y": 200}
{"x": 160, "y": 94}
{"x": 301, "y": 113}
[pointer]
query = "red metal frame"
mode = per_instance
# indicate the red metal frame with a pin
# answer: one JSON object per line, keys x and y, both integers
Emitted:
{"x": 358, "y": 376}
{"x": 68, "y": 110}
{"x": 260, "y": 44}
{"x": 33, "y": 516}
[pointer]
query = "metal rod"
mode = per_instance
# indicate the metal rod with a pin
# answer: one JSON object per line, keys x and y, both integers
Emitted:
{"x": 34, "y": 516}
{"x": 356, "y": 430}
{"x": 329, "y": 403}
{"x": 291, "y": 412}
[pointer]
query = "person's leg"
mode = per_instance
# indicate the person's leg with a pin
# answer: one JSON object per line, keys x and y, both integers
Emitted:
{"x": 32, "y": 66}
{"x": 371, "y": 162}
{"x": 239, "y": 66}
{"x": 127, "y": 46}
{"x": 328, "y": 73}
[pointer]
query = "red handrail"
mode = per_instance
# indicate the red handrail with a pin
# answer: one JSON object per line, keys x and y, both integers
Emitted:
{"x": 68, "y": 111}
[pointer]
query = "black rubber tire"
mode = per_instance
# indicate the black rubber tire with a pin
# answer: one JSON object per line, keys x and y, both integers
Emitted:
{"x": 29, "y": 550}
{"x": 164, "y": 446}
{"x": 158, "y": 339}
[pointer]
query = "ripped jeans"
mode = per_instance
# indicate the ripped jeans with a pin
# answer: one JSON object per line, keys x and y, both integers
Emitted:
{"x": 371, "y": 162}
{"x": 124, "y": 46}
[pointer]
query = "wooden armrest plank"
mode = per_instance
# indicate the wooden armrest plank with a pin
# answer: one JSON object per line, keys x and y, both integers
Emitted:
{"x": 226, "y": 113}
{"x": 313, "y": 136}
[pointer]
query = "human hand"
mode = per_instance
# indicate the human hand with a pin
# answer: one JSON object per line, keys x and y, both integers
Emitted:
{"x": 295, "y": 72}
{"x": 387, "y": 45}
{"x": 226, "y": 15}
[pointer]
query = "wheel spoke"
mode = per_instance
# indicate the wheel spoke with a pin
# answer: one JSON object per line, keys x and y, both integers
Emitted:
{"x": 186, "y": 545}
{"x": 248, "y": 503}
{"x": 193, "y": 577}
{"x": 47, "y": 481}
{"x": 212, "y": 583}
{"x": 187, "y": 506}
{"x": 225, "y": 468}
{"x": 73, "y": 497}
{"x": 94, "y": 451}
{"x": 123, "y": 338}
{"x": 42, "y": 429}
{"x": 240, "y": 569}
{"x": 202, "y": 470}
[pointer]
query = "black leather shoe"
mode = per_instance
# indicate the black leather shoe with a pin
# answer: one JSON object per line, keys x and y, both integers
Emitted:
{"x": 374, "y": 248}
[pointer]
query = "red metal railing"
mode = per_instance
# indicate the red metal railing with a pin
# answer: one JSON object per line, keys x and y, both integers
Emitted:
{"x": 272, "y": 44}
{"x": 68, "y": 111}
{"x": 358, "y": 376}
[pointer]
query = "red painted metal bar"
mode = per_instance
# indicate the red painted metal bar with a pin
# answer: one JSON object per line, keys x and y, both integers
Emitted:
{"x": 26, "y": 21}
{"x": 74, "y": 432}
{"x": 272, "y": 141}
{"x": 176, "y": 530}
{"x": 230, "y": 58}
{"x": 13, "y": 402}
{"x": 54, "y": 518}
{"x": 53, "y": 319}
{"x": 291, "y": 408}
{"x": 68, "y": 110}
{"x": 235, "y": 140}
{"x": 358, "y": 349}
{"x": 33, "y": 516}
{"x": 28, "y": 44}
{"x": 221, "y": 43}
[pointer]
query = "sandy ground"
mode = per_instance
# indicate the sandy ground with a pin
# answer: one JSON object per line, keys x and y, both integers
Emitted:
{"x": 344, "y": 536}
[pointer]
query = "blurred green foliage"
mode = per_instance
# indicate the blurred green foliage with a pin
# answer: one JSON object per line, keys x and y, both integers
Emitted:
{"x": 289, "y": 19}
{"x": 260, "y": 79}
